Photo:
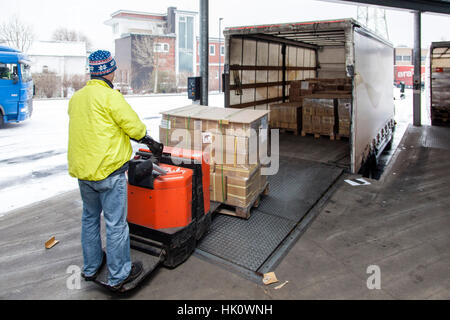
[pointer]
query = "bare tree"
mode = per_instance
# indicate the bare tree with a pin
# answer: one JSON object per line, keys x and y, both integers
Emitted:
{"x": 48, "y": 84}
{"x": 64, "y": 34}
{"x": 78, "y": 81}
{"x": 146, "y": 57}
{"x": 17, "y": 34}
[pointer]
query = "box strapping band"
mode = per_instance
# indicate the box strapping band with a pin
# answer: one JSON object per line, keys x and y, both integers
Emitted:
{"x": 168, "y": 130}
{"x": 235, "y": 150}
{"x": 223, "y": 184}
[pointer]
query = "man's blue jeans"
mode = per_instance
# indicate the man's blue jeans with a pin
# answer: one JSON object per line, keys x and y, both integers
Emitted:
{"x": 109, "y": 196}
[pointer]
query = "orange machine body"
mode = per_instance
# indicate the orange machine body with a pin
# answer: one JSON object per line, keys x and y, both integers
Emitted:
{"x": 200, "y": 157}
{"x": 168, "y": 205}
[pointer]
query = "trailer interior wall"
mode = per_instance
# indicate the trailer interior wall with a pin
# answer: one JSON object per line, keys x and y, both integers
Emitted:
{"x": 332, "y": 62}
{"x": 256, "y": 71}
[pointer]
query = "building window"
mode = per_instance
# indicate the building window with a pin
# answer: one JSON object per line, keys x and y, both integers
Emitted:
{"x": 222, "y": 50}
{"x": 212, "y": 50}
{"x": 398, "y": 58}
{"x": 115, "y": 28}
{"x": 406, "y": 58}
{"x": 186, "y": 44}
{"x": 161, "y": 47}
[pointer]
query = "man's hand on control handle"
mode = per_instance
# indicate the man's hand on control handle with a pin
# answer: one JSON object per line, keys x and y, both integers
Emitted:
{"x": 155, "y": 147}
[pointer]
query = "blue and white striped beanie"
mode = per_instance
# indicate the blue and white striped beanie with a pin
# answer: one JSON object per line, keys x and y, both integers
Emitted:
{"x": 101, "y": 63}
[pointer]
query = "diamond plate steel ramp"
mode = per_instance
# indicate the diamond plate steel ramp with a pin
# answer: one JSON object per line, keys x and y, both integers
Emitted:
{"x": 246, "y": 243}
{"x": 149, "y": 264}
{"x": 298, "y": 185}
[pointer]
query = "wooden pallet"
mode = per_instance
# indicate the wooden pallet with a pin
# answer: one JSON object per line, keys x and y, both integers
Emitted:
{"x": 318, "y": 135}
{"x": 244, "y": 213}
{"x": 284, "y": 130}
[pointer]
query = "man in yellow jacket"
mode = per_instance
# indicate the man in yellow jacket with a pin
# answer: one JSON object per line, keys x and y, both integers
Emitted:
{"x": 100, "y": 127}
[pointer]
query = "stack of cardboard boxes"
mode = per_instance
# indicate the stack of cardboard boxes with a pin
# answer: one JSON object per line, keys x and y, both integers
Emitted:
{"x": 232, "y": 138}
{"x": 326, "y": 105}
{"x": 286, "y": 116}
{"x": 299, "y": 89}
{"x": 344, "y": 112}
{"x": 318, "y": 117}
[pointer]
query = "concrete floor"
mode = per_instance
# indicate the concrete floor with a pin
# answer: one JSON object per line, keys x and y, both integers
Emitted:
{"x": 400, "y": 223}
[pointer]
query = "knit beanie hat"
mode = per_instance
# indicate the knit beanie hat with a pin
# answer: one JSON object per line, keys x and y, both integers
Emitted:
{"x": 101, "y": 63}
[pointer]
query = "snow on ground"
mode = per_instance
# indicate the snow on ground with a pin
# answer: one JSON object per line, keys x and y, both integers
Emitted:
{"x": 33, "y": 154}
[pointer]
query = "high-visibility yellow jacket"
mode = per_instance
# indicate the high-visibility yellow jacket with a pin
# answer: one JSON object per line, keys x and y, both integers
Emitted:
{"x": 101, "y": 124}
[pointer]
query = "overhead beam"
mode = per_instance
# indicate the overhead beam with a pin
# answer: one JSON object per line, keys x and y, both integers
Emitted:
{"x": 411, "y": 5}
{"x": 275, "y": 39}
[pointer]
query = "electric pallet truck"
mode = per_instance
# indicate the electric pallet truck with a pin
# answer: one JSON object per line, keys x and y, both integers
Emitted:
{"x": 168, "y": 208}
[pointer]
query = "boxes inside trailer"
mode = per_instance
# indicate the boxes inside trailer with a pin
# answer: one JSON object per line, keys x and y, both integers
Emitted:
{"x": 325, "y": 106}
{"x": 286, "y": 116}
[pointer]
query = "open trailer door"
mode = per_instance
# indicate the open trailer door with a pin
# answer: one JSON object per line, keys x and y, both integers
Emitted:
{"x": 373, "y": 100}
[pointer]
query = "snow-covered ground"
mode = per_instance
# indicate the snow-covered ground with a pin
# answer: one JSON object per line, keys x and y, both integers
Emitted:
{"x": 33, "y": 154}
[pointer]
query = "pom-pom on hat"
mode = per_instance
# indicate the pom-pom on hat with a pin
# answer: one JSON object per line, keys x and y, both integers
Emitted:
{"x": 101, "y": 63}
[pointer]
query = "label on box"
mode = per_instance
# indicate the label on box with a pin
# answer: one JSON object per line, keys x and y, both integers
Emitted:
{"x": 207, "y": 137}
{"x": 165, "y": 124}
{"x": 304, "y": 85}
{"x": 198, "y": 125}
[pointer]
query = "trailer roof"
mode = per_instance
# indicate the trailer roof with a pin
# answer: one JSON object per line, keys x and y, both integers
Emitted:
{"x": 309, "y": 33}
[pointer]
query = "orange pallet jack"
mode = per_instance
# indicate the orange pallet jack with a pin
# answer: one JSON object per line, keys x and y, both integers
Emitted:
{"x": 168, "y": 209}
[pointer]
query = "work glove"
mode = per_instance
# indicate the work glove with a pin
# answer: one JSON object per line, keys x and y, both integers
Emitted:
{"x": 155, "y": 147}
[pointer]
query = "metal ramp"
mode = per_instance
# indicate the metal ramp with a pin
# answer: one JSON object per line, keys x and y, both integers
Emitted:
{"x": 149, "y": 264}
{"x": 248, "y": 244}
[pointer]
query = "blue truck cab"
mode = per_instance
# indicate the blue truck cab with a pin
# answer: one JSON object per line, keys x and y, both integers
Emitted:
{"x": 16, "y": 86}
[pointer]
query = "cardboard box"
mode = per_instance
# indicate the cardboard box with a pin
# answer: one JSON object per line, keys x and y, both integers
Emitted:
{"x": 229, "y": 121}
{"x": 307, "y": 126}
{"x": 286, "y": 115}
{"x": 235, "y": 187}
{"x": 317, "y": 124}
{"x": 344, "y": 108}
{"x": 327, "y": 125}
{"x": 318, "y": 106}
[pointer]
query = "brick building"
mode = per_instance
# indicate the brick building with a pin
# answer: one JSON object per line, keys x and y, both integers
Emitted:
{"x": 216, "y": 61}
{"x": 158, "y": 52}
{"x": 403, "y": 66}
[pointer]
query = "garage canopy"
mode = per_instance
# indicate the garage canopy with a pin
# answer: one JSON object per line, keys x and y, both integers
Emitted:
{"x": 436, "y": 6}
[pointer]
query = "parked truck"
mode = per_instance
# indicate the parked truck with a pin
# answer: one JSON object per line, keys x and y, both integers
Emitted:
{"x": 262, "y": 61}
{"x": 438, "y": 83}
{"x": 16, "y": 86}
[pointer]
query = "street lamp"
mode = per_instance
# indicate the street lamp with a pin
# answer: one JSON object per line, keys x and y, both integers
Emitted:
{"x": 220, "y": 52}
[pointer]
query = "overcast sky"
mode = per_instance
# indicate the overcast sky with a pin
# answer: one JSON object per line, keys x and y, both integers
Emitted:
{"x": 88, "y": 16}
